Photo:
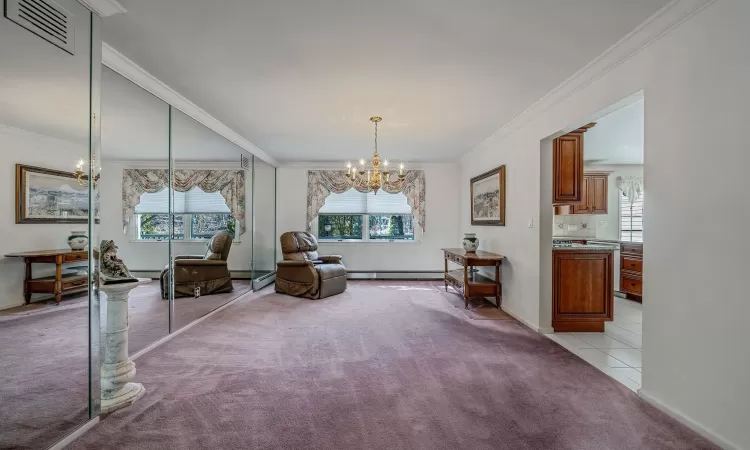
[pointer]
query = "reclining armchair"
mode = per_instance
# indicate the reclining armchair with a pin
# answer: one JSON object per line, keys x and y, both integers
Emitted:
{"x": 304, "y": 273}
{"x": 208, "y": 272}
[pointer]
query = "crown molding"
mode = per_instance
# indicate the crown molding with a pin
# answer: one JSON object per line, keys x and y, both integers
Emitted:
{"x": 133, "y": 72}
{"x": 104, "y": 8}
{"x": 669, "y": 17}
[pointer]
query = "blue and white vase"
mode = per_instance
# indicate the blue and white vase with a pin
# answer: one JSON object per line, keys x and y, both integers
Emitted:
{"x": 78, "y": 240}
{"x": 470, "y": 242}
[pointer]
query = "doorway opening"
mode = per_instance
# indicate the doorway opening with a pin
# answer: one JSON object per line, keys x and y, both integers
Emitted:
{"x": 592, "y": 239}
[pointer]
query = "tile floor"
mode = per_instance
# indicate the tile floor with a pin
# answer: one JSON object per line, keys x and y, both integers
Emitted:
{"x": 617, "y": 351}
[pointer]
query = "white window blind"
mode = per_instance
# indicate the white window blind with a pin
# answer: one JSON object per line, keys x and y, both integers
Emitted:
{"x": 192, "y": 201}
{"x": 631, "y": 220}
{"x": 355, "y": 202}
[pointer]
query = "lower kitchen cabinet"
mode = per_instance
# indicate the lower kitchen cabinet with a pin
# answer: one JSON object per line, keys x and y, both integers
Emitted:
{"x": 582, "y": 289}
{"x": 631, "y": 270}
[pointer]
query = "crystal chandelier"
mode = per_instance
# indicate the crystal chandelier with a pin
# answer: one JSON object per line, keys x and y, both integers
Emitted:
{"x": 81, "y": 176}
{"x": 376, "y": 178}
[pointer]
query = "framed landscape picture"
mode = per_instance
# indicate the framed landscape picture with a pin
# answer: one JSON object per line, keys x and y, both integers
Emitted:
{"x": 487, "y": 193}
{"x": 49, "y": 196}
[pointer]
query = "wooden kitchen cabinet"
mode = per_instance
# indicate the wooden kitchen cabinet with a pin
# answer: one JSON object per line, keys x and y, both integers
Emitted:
{"x": 582, "y": 290}
{"x": 595, "y": 191}
{"x": 631, "y": 270}
{"x": 567, "y": 167}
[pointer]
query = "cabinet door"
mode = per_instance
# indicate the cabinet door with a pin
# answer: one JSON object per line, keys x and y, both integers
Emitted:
{"x": 567, "y": 168}
{"x": 597, "y": 194}
{"x": 585, "y": 206}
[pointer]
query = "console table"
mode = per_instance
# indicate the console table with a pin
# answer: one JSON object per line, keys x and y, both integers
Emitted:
{"x": 58, "y": 284}
{"x": 471, "y": 283}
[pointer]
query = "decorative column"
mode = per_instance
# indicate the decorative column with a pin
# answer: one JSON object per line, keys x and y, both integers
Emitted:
{"x": 117, "y": 368}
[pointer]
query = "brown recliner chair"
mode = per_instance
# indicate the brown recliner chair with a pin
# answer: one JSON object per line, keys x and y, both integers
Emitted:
{"x": 209, "y": 272}
{"x": 304, "y": 273}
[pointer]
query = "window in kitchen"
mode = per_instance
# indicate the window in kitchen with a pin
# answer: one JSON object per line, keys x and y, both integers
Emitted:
{"x": 197, "y": 216}
{"x": 631, "y": 219}
{"x": 356, "y": 216}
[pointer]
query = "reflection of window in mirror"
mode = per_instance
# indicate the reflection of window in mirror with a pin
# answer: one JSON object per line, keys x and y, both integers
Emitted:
{"x": 198, "y": 216}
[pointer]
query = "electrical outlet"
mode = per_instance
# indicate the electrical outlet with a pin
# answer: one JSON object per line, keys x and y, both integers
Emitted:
{"x": 197, "y": 291}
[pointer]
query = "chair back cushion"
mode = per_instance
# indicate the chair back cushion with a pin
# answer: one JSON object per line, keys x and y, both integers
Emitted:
{"x": 219, "y": 246}
{"x": 299, "y": 246}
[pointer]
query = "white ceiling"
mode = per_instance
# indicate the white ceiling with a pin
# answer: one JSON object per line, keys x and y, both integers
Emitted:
{"x": 300, "y": 78}
{"x": 617, "y": 138}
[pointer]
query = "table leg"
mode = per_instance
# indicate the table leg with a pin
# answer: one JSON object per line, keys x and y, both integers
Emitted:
{"x": 58, "y": 280}
{"x": 499, "y": 285}
{"x": 27, "y": 278}
{"x": 445, "y": 275}
{"x": 466, "y": 287}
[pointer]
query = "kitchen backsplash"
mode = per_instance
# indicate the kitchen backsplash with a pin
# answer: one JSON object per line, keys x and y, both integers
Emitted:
{"x": 578, "y": 225}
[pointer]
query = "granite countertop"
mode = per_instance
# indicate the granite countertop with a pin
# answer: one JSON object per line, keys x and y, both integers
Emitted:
{"x": 614, "y": 241}
{"x": 583, "y": 248}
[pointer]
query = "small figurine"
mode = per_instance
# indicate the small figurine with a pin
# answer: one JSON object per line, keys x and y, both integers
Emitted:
{"x": 112, "y": 269}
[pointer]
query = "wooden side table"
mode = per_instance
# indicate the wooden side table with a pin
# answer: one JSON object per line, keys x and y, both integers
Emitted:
{"x": 58, "y": 284}
{"x": 470, "y": 283}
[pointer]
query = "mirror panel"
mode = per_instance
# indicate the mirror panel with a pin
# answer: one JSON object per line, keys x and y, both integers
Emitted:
{"x": 264, "y": 233}
{"x": 210, "y": 191}
{"x": 135, "y": 156}
{"x": 45, "y": 126}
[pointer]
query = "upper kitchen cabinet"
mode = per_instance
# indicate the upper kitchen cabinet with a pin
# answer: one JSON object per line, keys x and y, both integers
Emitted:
{"x": 567, "y": 167}
{"x": 594, "y": 194}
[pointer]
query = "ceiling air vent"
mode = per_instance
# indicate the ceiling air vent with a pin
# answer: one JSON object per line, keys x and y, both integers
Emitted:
{"x": 44, "y": 18}
{"x": 245, "y": 162}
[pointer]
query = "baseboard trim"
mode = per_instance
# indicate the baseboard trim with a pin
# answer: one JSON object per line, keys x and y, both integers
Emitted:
{"x": 520, "y": 318}
{"x": 395, "y": 275}
{"x": 78, "y": 432}
{"x": 687, "y": 421}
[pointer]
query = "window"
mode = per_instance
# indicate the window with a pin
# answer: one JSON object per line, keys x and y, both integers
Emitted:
{"x": 197, "y": 215}
{"x": 358, "y": 216}
{"x": 631, "y": 220}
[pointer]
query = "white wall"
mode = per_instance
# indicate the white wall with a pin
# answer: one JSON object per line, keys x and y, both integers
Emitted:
{"x": 22, "y": 147}
{"x": 442, "y": 191}
{"x": 695, "y": 79}
{"x": 617, "y": 138}
{"x": 153, "y": 256}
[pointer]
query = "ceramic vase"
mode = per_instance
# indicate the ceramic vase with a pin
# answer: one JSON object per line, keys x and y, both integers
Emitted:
{"x": 78, "y": 240}
{"x": 470, "y": 242}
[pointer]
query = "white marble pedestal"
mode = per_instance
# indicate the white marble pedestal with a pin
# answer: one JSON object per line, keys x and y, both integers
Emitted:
{"x": 117, "y": 368}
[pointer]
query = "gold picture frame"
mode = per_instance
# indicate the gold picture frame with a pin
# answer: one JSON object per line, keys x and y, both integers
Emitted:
{"x": 49, "y": 196}
{"x": 487, "y": 198}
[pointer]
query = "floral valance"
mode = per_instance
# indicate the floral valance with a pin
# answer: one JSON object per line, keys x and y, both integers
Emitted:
{"x": 632, "y": 187}
{"x": 321, "y": 183}
{"x": 230, "y": 183}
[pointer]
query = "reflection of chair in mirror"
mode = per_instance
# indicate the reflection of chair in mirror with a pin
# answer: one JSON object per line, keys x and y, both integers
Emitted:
{"x": 209, "y": 272}
{"x": 304, "y": 273}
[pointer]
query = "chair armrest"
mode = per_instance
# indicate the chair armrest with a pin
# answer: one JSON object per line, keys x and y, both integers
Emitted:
{"x": 176, "y": 258}
{"x": 294, "y": 263}
{"x": 200, "y": 262}
{"x": 331, "y": 259}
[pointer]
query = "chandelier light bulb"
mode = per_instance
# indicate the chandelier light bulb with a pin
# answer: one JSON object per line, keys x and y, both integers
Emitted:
{"x": 362, "y": 162}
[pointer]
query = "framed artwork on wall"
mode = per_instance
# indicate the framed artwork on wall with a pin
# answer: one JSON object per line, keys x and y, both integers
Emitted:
{"x": 49, "y": 196}
{"x": 487, "y": 192}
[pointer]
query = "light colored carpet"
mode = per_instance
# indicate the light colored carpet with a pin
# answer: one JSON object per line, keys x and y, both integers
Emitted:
{"x": 44, "y": 357}
{"x": 385, "y": 365}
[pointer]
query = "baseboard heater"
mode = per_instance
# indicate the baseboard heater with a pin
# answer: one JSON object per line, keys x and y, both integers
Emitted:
{"x": 394, "y": 274}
